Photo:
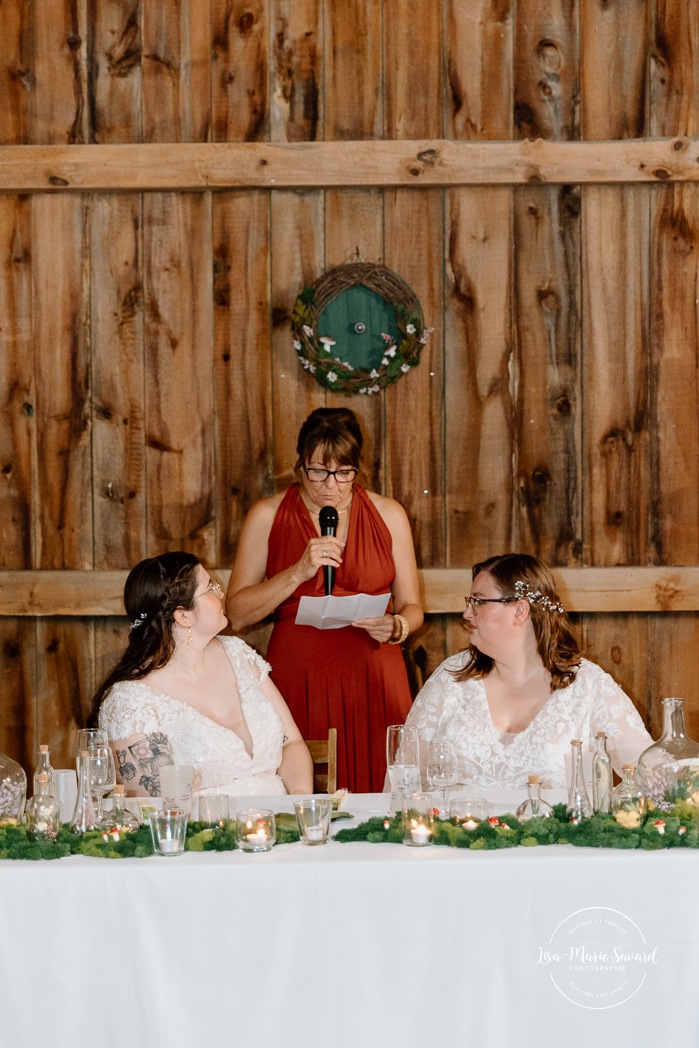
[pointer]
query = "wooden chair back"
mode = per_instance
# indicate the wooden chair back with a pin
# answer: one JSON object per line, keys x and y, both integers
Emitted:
{"x": 324, "y": 752}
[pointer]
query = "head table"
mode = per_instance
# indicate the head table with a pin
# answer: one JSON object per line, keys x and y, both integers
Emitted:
{"x": 353, "y": 945}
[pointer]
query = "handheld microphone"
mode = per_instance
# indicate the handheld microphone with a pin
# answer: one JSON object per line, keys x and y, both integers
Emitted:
{"x": 328, "y": 518}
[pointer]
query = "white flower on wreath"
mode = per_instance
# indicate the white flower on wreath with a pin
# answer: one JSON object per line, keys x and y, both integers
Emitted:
{"x": 391, "y": 351}
{"x": 384, "y": 362}
{"x": 405, "y": 368}
{"x": 425, "y": 335}
{"x": 362, "y": 390}
{"x": 386, "y": 338}
{"x": 297, "y": 345}
{"x": 348, "y": 366}
{"x": 373, "y": 389}
{"x": 308, "y": 331}
{"x": 332, "y": 377}
{"x": 374, "y": 374}
{"x": 410, "y": 328}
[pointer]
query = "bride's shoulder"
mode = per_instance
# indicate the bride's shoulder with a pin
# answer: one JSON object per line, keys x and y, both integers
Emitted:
{"x": 243, "y": 657}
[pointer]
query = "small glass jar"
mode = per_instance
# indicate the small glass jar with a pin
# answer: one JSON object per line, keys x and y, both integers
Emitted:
{"x": 118, "y": 820}
{"x": 13, "y": 791}
{"x": 669, "y": 769}
{"x": 534, "y": 807}
{"x": 418, "y": 819}
{"x": 628, "y": 800}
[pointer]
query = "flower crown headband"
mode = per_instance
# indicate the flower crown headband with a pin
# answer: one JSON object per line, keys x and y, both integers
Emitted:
{"x": 523, "y": 591}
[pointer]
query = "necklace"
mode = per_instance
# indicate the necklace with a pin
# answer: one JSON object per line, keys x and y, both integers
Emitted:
{"x": 315, "y": 514}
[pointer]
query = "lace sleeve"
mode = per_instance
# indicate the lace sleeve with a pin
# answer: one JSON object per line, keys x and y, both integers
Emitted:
{"x": 130, "y": 709}
{"x": 246, "y": 658}
{"x": 614, "y": 713}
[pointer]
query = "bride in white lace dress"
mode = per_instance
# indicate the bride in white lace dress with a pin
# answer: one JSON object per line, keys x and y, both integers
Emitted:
{"x": 183, "y": 695}
{"x": 520, "y": 692}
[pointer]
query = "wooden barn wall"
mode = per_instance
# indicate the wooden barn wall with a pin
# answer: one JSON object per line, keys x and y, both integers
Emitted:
{"x": 150, "y": 391}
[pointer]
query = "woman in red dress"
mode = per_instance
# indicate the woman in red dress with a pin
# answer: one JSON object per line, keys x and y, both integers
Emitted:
{"x": 352, "y": 678}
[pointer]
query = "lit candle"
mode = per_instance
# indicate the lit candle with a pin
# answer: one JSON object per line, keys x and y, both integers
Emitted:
{"x": 419, "y": 834}
{"x": 470, "y": 824}
{"x": 169, "y": 845}
{"x": 313, "y": 833}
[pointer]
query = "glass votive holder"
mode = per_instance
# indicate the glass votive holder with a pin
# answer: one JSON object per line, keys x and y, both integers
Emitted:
{"x": 255, "y": 829}
{"x": 468, "y": 811}
{"x": 418, "y": 819}
{"x": 168, "y": 828}
{"x": 313, "y": 817}
{"x": 213, "y": 809}
{"x": 176, "y": 783}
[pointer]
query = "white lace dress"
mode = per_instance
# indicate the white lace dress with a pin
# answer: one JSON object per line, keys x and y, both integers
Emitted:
{"x": 490, "y": 758}
{"x": 217, "y": 754}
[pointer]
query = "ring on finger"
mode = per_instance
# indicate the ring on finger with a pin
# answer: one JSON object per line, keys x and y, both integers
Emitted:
{"x": 325, "y": 553}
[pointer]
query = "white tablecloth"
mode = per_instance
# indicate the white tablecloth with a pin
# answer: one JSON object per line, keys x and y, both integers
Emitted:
{"x": 355, "y": 945}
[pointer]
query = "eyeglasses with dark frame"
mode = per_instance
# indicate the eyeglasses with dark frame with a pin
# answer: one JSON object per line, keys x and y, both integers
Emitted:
{"x": 318, "y": 476}
{"x": 474, "y": 603}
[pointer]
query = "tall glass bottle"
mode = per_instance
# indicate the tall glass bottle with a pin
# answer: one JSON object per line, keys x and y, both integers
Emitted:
{"x": 601, "y": 776}
{"x": 13, "y": 790}
{"x": 43, "y": 767}
{"x": 84, "y": 816}
{"x": 668, "y": 770}
{"x": 578, "y": 806}
{"x": 534, "y": 807}
{"x": 43, "y": 812}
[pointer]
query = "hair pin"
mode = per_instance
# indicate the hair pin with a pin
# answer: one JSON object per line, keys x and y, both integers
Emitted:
{"x": 139, "y": 620}
{"x": 523, "y": 591}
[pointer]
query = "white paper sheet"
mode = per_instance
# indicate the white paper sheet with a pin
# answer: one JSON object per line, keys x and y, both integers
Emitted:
{"x": 332, "y": 613}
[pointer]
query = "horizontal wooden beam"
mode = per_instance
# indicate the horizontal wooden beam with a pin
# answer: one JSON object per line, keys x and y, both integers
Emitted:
{"x": 314, "y": 165}
{"x": 633, "y": 589}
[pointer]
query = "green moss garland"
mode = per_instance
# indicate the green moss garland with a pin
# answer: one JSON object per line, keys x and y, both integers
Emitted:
{"x": 679, "y": 830}
{"x": 658, "y": 830}
{"x": 15, "y": 844}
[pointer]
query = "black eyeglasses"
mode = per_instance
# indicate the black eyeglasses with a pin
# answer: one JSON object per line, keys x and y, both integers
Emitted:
{"x": 474, "y": 603}
{"x": 318, "y": 476}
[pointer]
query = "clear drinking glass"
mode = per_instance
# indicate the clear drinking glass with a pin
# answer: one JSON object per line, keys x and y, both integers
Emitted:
{"x": 102, "y": 774}
{"x": 442, "y": 769}
{"x": 402, "y": 758}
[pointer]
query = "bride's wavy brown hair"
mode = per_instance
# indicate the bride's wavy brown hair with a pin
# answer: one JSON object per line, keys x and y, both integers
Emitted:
{"x": 153, "y": 591}
{"x": 558, "y": 649}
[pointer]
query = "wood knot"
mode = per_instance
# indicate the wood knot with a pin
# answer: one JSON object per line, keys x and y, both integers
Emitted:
{"x": 667, "y": 593}
{"x": 55, "y": 180}
{"x": 428, "y": 157}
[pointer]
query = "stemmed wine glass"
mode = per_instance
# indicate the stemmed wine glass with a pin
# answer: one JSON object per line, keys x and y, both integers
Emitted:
{"x": 442, "y": 769}
{"x": 102, "y": 774}
{"x": 402, "y": 749}
{"x": 87, "y": 739}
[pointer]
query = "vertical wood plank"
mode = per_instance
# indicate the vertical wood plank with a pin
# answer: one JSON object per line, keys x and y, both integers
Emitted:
{"x": 546, "y": 82}
{"x": 354, "y": 218}
{"x": 414, "y": 249}
{"x": 353, "y": 69}
{"x": 15, "y": 71}
{"x": 65, "y": 680}
{"x": 479, "y": 448}
{"x": 179, "y": 373}
{"x": 239, "y": 84}
{"x": 547, "y": 290}
{"x": 17, "y": 686}
{"x": 118, "y": 426}
{"x": 62, "y": 383}
{"x": 296, "y": 99}
{"x": 478, "y": 53}
{"x": 58, "y": 76}
{"x": 614, "y": 69}
{"x": 242, "y": 361}
{"x": 18, "y": 454}
{"x": 114, "y": 71}
{"x": 616, "y": 336}
{"x": 176, "y": 70}
{"x": 674, "y": 667}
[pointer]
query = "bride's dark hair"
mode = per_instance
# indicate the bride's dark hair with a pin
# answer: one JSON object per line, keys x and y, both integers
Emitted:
{"x": 555, "y": 640}
{"x": 153, "y": 591}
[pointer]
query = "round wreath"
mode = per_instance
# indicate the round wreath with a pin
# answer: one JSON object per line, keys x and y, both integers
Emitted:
{"x": 317, "y": 353}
